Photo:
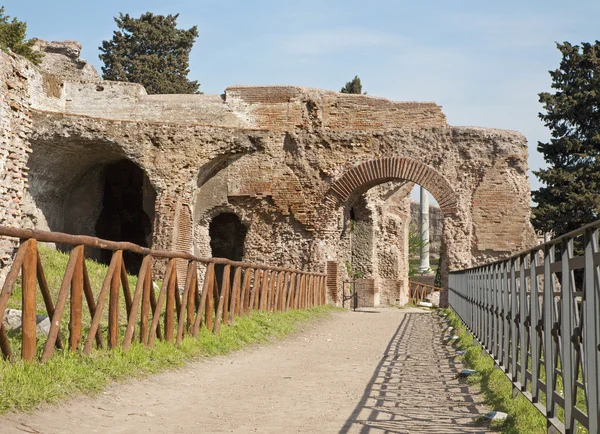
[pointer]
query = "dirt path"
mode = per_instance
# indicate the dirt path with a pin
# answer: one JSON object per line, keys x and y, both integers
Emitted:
{"x": 379, "y": 371}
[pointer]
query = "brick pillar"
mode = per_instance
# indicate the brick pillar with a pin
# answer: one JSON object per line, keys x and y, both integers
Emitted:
{"x": 333, "y": 283}
{"x": 173, "y": 228}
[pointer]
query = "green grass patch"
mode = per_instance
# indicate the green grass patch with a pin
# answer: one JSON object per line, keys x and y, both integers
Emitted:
{"x": 496, "y": 387}
{"x": 26, "y": 385}
{"x": 54, "y": 264}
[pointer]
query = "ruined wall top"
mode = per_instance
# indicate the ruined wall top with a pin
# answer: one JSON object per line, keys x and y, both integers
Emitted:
{"x": 62, "y": 59}
{"x": 68, "y": 84}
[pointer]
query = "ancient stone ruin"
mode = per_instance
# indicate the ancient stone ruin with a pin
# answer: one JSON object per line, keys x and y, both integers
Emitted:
{"x": 283, "y": 175}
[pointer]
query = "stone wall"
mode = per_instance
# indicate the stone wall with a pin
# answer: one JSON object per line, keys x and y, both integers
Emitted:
{"x": 15, "y": 129}
{"x": 61, "y": 59}
{"x": 288, "y": 161}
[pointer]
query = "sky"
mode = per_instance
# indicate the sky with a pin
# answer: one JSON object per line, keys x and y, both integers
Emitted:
{"x": 484, "y": 62}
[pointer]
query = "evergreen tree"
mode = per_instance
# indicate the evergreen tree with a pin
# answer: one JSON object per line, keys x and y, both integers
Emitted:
{"x": 151, "y": 51}
{"x": 353, "y": 86}
{"x": 12, "y": 36}
{"x": 570, "y": 196}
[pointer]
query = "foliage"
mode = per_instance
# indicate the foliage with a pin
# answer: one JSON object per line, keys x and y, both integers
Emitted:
{"x": 151, "y": 51}
{"x": 438, "y": 282}
{"x": 351, "y": 273}
{"x": 12, "y": 36}
{"x": 353, "y": 86}
{"x": 570, "y": 196}
{"x": 415, "y": 244}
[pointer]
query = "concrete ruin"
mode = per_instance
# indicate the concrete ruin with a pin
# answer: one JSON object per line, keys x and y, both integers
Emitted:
{"x": 283, "y": 175}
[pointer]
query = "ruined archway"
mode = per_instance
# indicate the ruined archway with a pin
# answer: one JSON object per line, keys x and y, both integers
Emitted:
{"x": 364, "y": 177}
{"x": 127, "y": 209}
{"x": 371, "y": 173}
{"x": 86, "y": 187}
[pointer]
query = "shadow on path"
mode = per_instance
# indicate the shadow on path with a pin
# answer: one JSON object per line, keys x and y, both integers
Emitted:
{"x": 415, "y": 389}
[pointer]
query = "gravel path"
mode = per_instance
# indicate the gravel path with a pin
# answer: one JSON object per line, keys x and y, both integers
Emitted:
{"x": 380, "y": 370}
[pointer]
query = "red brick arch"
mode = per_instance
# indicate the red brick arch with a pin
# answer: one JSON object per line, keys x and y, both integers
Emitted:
{"x": 375, "y": 172}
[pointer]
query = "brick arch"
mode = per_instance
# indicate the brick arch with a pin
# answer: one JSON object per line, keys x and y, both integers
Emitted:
{"x": 375, "y": 172}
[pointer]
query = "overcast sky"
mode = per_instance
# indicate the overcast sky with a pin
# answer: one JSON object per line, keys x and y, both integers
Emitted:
{"x": 484, "y": 62}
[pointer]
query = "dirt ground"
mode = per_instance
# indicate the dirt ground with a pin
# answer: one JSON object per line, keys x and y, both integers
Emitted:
{"x": 381, "y": 370}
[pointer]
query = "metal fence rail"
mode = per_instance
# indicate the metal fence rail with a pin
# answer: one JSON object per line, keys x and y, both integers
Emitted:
{"x": 241, "y": 288}
{"x": 538, "y": 315}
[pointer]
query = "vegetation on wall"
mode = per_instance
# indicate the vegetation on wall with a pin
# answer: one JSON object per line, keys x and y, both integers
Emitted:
{"x": 570, "y": 196}
{"x": 152, "y": 51}
{"x": 13, "y": 35}
{"x": 353, "y": 275}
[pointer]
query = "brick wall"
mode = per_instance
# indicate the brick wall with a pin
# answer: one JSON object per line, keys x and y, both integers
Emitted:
{"x": 283, "y": 108}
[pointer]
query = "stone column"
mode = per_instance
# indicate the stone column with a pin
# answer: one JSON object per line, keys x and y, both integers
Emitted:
{"x": 424, "y": 227}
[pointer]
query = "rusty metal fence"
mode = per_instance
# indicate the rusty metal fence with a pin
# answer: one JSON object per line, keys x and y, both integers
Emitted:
{"x": 242, "y": 288}
{"x": 538, "y": 315}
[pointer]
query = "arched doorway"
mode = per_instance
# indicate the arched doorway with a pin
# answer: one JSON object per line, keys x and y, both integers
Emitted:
{"x": 351, "y": 188}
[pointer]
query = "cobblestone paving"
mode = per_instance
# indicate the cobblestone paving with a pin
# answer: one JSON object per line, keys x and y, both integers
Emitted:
{"x": 415, "y": 388}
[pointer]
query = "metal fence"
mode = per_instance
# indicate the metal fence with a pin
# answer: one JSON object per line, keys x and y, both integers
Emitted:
{"x": 241, "y": 288}
{"x": 538, "y": 315}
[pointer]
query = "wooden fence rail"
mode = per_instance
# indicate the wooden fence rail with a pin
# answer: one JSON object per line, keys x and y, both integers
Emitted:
{"x": 243, "y": 287}
{"x": 419, "y": 291}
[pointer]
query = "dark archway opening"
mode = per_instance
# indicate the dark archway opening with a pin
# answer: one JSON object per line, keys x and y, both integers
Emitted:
{"x": 227, "y": 236}
{"x": 123, "y": 217}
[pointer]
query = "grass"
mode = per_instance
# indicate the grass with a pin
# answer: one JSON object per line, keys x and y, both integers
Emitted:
{"x": 54, "y": 264}
{"x": 26, "y": 385}
{"x": 23, "y": 386}
{"x": 496, "y": 387}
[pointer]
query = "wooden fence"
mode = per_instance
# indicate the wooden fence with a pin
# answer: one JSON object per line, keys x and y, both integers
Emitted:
{"x": 419, "y": 291}
{"x": 244, "y": 287}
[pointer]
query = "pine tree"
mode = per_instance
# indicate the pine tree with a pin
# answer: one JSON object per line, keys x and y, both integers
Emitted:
{"x": 353, "y": 86}
{"x": 570, "y": 196}
{"x": 12, "y": 36}
{"x": 151, "y": 51}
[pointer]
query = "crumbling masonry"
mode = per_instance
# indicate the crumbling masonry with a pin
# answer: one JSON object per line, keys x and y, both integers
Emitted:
{"x": 285, "y": 175}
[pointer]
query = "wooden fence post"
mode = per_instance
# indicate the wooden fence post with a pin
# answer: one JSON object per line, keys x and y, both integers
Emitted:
{"x": 28, "y": 327}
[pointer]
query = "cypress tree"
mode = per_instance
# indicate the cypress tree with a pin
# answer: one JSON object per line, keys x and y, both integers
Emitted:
{"x": 570, "y": 196}
{"x": 151, "y": 51}
{"x": 353, "y": 86}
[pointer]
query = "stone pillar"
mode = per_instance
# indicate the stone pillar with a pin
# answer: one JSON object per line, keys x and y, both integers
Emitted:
{"x": 424, "y": 227}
